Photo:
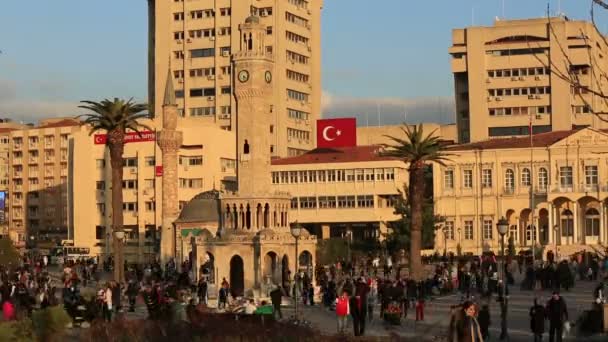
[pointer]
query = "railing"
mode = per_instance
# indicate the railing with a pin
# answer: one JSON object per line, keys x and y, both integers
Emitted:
{"x": 563, "y": 188}
{"x": 588, "y": 188}
{"x": 508, "y": 190}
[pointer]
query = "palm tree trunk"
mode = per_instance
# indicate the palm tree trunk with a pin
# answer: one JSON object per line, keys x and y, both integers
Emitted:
{"x": 416, "y": 198}
{"x": 116, "y": 145}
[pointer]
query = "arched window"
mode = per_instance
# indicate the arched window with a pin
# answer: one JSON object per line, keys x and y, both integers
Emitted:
{"x": 525, "y": 177}
{"x": 246, "y": 147}
{"x": 509, "y": 181}
{"x": 250, "y": 46}
{"x": 543, "y": 178}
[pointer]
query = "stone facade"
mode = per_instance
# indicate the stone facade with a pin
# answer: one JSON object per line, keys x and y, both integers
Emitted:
{"x": 169, "y": 140}
{"x": 249, "y": 237}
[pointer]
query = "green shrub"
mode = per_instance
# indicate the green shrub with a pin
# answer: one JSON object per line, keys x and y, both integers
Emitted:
{"x": 50, "y": 323}
{"x": 8, "y": 253}
{"x": 17, "y": 331}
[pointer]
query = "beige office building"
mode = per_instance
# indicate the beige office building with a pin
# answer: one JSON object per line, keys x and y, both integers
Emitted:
{"x": 205, "y": 162}
{"x": 198, "y": 38}
{"x": 507, "y": 74}
{"x": 342, "y": 191}
{"x": 38, "y": 159}
{"x": 6, "y": 127}
{"x": 484, "y": 181}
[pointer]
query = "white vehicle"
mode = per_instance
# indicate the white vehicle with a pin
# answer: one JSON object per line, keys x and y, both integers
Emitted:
{"x": 59, "y": 255}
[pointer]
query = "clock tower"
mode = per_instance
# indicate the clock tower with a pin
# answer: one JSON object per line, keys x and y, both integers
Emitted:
{"x": 253, "y": 87}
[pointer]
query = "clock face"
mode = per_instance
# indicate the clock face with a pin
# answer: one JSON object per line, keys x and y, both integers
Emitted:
{"x": 243, "y": 76}
{"x": 268, "y": 77}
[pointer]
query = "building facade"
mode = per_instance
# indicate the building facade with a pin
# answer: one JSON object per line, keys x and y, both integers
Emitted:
{"x": 38, "y": 159}
{"x": 552, "y": 194}
{"x": 202, "y": 164}
{"x": 198, "y": 38}
{"x": 342, "y": 191}
{"x": 507, "y": 77}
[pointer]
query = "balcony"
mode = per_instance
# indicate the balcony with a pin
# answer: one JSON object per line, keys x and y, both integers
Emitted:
{"x": 508, "y": 190}
{"x": 563, "y": 189}
{"x": 17, "y": 161}
{"x": 17, "y": 147}
{"x": 33, "y": 160}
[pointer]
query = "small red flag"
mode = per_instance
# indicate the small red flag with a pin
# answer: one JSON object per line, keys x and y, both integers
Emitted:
{"x": 159, "y": 170}
{"x": 337, "y": 132}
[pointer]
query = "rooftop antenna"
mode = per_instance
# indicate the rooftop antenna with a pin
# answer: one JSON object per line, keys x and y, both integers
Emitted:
{"x": 472, "y": 16}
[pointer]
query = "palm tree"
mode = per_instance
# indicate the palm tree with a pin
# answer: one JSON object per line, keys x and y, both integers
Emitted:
{"x": 416, "y": 150}
{"x": 115, "y": 117}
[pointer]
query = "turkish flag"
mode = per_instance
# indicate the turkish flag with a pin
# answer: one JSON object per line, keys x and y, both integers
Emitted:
{"x": 337, "y": 132}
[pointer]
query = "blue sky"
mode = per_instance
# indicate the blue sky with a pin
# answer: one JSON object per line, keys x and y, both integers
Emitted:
{"x": 57, "y": 52}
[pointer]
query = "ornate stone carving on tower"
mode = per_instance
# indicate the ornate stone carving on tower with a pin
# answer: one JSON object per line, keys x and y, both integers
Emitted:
{"x": 169, "y": 140}
{"x": 246, "y": 239}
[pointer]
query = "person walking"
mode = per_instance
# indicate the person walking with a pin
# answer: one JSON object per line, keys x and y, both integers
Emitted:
{"x": 342, "y": 311}
{"x": 223, "y": 296}
{"x": 107, "y": 303}
{"x": 354, "y": 305}
{"x": 202, "y": 290}
{"x": 484, "y": 321}
{"x": 276, "y": 296}
{"x": 465, "y": 325}
{"x": 557, "y": 314}
{"x": 537, "y": 320}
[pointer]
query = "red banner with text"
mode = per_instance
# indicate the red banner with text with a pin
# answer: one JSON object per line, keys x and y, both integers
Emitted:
{"x": 131, "y": 137}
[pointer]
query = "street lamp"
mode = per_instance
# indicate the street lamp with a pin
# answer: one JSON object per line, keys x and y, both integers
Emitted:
{"x": 555, "y": 234}
{"x": 296, "y": 230}
{"x": 503, "y": 226}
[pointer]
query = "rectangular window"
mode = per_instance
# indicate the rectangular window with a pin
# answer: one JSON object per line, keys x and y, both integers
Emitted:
{"x": 448, "y": 179}
{"x": 227, "y": 164}
{"x": 390, "y": 174}
{"x": 308, "y": 202}
{"x": 365, "y": 201}
{"x": 350, "y": 175}
{"x": 100, "y": 185}
{"x": 294, "y": 203}
{"x": 129, "y": 162}
{"x": 449, "y": 230}
{"x": 129, "y": 206}
{"x": 487, "y": 229}
{"x": 359, "y": 175}
{"x": 200, "y": 53}
{"x": 225, "y": 12}
{"x": 321, "y": 176}
{"x": 202, "y": 111}
{"x": 100, "y": 231}
{"x": 467, "y": 179}
{"x": 295, "y": 57}
{"x": 346, "y": 201}
{"x": 129, "y": 184}
{"x": 149, "y": 161}
{"x": 379, "y": 174}
{"x": 101, "y": 208}
{"x": 292, "y": 18}
{"x": 100, "y": 163}
{"x": 191, "y": 160}
{"x": 293, "y": 133}
{"x": 565, "y": 176}
{"x": 468, "y": 230}
{"x": 327, "y": 202}
{"x": 150, "y": 206}
{"x": 296, "y": 38}
{"x": 191, "y": 183}
{"x": 297, "y": 114}
{"x": 591, "y": 177}
{"x": 296, "y": 95}
{"x": 486, "y": 178}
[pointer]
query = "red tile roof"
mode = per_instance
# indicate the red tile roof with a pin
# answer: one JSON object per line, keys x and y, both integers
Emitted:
{"x": 335, "y": 155}
{"x": 61, "y": 123}
{"x": 6, "y": 129}
{"x": 539, "y": 140}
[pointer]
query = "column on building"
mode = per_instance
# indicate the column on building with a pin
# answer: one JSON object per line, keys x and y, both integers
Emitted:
{"x": 575, "y": 213}
{"x": 325, "y": 231}
{"x": 602, "y": 222}
{"x": 550, "y": 229}
{"x": 383, "y": 229}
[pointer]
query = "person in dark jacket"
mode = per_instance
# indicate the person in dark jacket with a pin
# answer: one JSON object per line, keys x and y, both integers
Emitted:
{"x": 484, "y": 321}
{"x": 557, "y": 314}
{"x": 275, "y": 298}
{"x": 354, "y": 306}
{"x": 361, "y": 292}
{"x": 537, "y": 320}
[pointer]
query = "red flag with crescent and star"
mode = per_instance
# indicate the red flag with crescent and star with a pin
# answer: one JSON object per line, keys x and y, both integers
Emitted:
{"x": 337, "y": 132}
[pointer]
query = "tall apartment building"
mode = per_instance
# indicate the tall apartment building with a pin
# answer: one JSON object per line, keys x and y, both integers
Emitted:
{"x": 38, "y": 160}
{"x": 197, "y": 39}
{"x": 6, "y": 127}
{"x": 508, "y": 75}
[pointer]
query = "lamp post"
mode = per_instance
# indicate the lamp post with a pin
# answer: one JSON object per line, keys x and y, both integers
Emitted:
{"x": 503, "y": 226}
{"x": 555, "y": 234}
{"x": 295, "y": 232}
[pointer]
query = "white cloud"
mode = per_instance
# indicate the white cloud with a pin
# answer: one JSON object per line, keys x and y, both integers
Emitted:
{"x": 26, "y": 109}
{"x": 392, "y": 110}
{"x": 34, "y": 110}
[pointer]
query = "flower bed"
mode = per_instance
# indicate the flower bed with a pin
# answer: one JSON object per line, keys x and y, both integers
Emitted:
{"x": 392, "y": 314}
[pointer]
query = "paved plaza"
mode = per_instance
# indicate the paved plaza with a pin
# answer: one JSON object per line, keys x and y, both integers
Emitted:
{"x": 437, "y": 316}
